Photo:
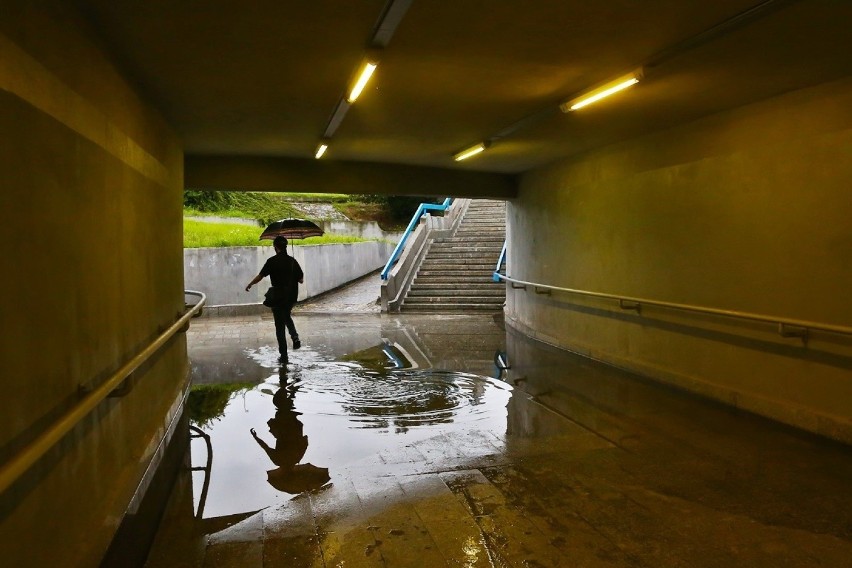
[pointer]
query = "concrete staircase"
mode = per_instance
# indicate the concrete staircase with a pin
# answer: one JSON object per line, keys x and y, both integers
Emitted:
{"x": 455, "y": 275}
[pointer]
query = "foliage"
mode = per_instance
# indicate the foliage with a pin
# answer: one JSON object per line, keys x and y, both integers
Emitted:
{"x": 392, "y": 212}
{"x": 206, "y": 403}
{"x": 265, "y": 207}
{"x": 400, "y": 206}
{"x": 200, "y": 234}
{"x": 319, "y": 197}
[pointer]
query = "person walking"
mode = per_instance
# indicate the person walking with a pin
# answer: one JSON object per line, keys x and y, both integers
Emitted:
{"x": 285, "y": 275}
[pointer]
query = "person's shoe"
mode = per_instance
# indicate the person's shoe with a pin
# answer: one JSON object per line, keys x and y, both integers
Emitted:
{"x": 283, "y": 360}
{"x": 296, "y": 344}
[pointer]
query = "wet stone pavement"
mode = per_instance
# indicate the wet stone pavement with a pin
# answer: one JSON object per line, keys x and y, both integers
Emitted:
{"x": 397, "y": 441}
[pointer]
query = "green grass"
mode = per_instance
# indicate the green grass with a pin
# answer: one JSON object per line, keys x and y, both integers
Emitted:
{"x": 198, "y": 234}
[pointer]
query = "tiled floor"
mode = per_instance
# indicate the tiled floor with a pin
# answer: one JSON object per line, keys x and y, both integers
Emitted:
{"x": 590, "y": 467}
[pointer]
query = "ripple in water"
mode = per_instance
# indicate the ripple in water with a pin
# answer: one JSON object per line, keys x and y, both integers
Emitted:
{"x": 341, "y": 413}
{"x": 402, "y": 399}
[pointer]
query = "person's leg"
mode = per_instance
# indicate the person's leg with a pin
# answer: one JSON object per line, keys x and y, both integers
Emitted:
{"x": 291, "y": 327}
{"x": 280, "y": 315}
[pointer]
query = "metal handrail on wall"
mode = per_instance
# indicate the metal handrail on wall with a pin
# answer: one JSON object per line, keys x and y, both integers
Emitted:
{"x": 786, "y": 327}
{"x": 20, "y": 463}
{"x": 400, "y": 246}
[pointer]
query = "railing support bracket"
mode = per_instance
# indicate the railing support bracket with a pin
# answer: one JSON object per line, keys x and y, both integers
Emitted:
{"x": 786, "y": 330}
{"x": 628, "y": 305}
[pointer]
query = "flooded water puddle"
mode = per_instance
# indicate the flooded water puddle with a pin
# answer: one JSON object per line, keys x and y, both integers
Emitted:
{"x": 305, "y": 424}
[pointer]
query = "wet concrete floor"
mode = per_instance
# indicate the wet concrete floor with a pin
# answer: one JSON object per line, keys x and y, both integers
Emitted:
{"x": 398, "y": 441}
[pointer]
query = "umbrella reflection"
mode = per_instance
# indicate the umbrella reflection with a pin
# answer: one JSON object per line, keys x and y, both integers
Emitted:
{"x": 291, "y": 443}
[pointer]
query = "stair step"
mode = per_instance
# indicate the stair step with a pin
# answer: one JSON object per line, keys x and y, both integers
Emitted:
{"x": 496, "y": 239}
{"x": 489, "y": 295}
{"x": 458, "y": 280}
{"x": 459, "y": 249}
{"x": 423, "y": 300}
{"x": 461, "y": 264}
{"x": 459, "y": 276}
{"x": 453, "y": 247}
{"x": 484, "y": 295}
{"x": 454, "y": 251}
{"x": 455, "y": 298}
{"x": 490, "y": 242}
{"x": 454, "y": 308}
{"x": 461, "y": 261}
{"x": 473, "y": 284}
{"x": 455, "y": 274}
{"x": 483, "y": 251}
{"x": 458, "y": 269}
{"x": 449, "y": 249}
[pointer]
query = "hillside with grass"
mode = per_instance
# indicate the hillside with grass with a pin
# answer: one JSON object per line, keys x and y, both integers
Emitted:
{"x": 208, "y": 215}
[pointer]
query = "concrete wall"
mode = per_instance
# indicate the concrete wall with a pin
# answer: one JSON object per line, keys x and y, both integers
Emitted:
{"x": 360, "y": 229}
{"x": 91, "y": 228}
{"x": 222, "y": 273}
{"x": 746, "y": 210}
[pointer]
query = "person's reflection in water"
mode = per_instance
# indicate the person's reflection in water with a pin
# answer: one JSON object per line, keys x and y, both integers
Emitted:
{"x": 290, "y": 445}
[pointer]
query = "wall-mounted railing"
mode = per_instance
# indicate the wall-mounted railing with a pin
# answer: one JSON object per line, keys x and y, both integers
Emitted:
{"x": 786, "y": 327}
{"x": 421, "y": 210}
{"x": 20, "y": 463}
{"x": 497, "y": 276}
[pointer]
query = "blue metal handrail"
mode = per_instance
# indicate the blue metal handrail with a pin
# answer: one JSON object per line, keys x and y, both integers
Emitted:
{"x": 497, "y": 276}
{"x": 414, "y": 220}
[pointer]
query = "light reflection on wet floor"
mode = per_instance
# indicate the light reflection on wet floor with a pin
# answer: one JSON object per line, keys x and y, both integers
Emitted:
{"x": 559, "y": 461}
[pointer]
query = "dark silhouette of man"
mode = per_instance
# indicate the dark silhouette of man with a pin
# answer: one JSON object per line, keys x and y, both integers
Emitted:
{"x": 285, "y": 275}
{"x": 291, "y": 443}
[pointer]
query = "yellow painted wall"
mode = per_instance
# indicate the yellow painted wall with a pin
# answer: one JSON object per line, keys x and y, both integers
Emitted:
{"x": 748, "y": 210}
{"x": 92, "y": 270}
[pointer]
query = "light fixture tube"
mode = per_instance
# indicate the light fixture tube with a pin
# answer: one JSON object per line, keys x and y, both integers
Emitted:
{"x": 366, "y": 73}
{"x": 472, "y": 151}
{"x": 601, "y": 92}
{"x": 321, "y": 150}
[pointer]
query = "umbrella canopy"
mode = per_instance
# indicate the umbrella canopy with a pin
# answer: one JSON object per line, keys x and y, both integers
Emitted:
{"x": 292, "y": 229}
{"x": 298, "y": 479}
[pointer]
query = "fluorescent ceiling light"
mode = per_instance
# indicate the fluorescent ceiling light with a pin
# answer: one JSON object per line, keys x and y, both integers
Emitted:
{"x": 366, "y": 73}
{"x": 472, "y": 151}
{"x": 601, "y": 92}
{"x": 321, "y": 150}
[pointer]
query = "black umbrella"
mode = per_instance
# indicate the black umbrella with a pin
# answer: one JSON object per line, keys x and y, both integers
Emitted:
{"x": 298, "y": 479}
{"x": 292, "y": 229}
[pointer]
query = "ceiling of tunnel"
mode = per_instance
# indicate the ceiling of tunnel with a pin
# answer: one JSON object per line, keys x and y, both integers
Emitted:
{"x": 262, "y": 78}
